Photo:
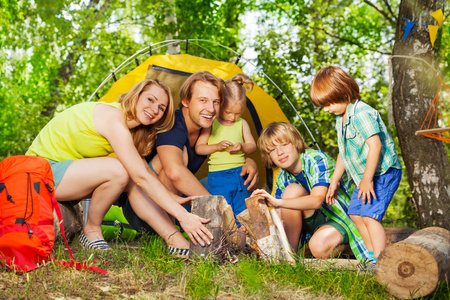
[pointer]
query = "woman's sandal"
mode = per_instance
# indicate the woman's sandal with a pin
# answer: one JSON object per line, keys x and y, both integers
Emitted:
{"x": 96, "y": 245}
{"x": 179, "y": 252}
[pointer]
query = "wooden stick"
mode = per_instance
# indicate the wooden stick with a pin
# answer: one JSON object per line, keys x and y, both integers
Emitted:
{"x": 287, "y": 251}
{"x": 432, "y": 130}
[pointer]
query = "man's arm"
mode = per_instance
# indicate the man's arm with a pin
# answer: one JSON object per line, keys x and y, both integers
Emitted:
{"x": 175, "y": 169}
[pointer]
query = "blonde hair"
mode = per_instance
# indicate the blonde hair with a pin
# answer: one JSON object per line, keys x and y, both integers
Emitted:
{"x": 235, "y": 88}
{"x": 144, "y": 136}
{"x": 332, "y": 85}
{"x": 205, "y": 76}
{"x": 280, "y": 132}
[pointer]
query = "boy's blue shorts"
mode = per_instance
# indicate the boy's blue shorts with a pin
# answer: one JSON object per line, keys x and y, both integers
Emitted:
{"x": 384, "y": 186}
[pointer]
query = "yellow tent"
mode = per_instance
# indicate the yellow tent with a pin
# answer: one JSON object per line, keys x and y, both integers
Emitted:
{"x": 261, "y": 110}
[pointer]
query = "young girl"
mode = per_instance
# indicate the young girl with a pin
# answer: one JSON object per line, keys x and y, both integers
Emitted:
{"x": 228, "y": 141}
{"x": 77, "y": 143}
{"x": 300, "y": 190}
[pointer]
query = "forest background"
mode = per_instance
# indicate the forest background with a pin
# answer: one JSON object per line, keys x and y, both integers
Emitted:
{"x": 55, "y": 53}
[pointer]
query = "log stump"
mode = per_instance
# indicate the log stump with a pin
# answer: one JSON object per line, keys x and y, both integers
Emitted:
{"x": 72, "y": 220}
{"x": 413, "y": 267}
{"x": 208, "y": 207}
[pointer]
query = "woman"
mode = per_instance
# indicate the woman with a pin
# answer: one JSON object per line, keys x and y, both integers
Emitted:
{"x": 78, "y": 143}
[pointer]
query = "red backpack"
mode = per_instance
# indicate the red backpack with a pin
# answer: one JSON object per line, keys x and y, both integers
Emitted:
{"x": 27, "y": 201}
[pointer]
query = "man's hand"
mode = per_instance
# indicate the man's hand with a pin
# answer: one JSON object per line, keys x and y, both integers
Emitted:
{"x": 251, "y": 169}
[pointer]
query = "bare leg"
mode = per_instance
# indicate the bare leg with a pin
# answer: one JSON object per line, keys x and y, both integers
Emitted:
{"x": 377, "y": 235}
{"x": 363, "y": 230}
{"x": 293, "y": 219}
{"x": 102, "y": 178}
{"x": 324, "y": 241}
{"x": 155, "y": 216}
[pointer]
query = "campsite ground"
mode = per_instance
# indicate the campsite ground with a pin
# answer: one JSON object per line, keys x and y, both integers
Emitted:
{"x": 144, "y": 270}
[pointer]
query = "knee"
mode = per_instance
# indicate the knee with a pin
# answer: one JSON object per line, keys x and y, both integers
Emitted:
{"x": 318, "y": 248}
{"x": 118, "y": 175}
{"x": 322, "y": 244}
{"x": 294, "y": 190}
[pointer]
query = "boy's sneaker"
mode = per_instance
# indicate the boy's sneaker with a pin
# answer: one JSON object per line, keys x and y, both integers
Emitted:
{"x": 367, "y": 266}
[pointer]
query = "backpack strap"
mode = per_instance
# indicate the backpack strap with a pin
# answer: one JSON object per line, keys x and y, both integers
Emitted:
{"x": 73, "y": 263}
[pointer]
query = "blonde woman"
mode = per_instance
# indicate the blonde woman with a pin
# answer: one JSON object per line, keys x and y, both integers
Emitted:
{"x": 77, "y": 143}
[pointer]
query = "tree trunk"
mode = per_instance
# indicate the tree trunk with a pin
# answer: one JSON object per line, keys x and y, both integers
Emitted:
{"x": 414, "y": 87}
{"x": 171, "y": 22}
{"x": 415, "y": 266}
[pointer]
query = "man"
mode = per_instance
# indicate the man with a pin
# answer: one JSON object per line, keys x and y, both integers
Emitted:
{"x": 177, "y": 162}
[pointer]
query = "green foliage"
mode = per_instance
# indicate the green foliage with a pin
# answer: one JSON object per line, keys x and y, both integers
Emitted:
{"x": 55, "y": 53}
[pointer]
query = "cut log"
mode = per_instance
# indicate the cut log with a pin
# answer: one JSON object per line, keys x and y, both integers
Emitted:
{"x": 338, "y": 263}
{"x": 265, "y": 232}
{"x": 72, "y": 219}
{"x": 285, "y": 246}
{"x": 244, "y": 218}
{"x": 393, "y": 235}
{"x": 208, "y": 207}
{"x": 413, "y": 267}
{"x": 229, "y": 226}
{"x": 258, "y": 220}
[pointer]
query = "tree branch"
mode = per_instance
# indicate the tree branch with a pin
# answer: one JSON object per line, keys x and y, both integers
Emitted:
{"x": 393, "y": 15}
{"x": 353, "y": 42}
{"x": 384, "y": 14}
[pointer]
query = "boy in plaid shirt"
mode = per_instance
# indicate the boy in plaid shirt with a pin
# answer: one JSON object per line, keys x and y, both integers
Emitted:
{"x": 366, "y": 152}
{"x": 299, "y": 190}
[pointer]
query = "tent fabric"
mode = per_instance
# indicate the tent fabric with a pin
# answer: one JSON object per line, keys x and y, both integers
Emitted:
{"x": 173, "y": 70}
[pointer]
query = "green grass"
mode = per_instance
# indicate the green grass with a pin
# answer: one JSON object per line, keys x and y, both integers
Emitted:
{"x": 144, "y": 270}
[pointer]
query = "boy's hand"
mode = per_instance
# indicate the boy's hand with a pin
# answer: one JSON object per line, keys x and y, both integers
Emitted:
{"x": 332, "y": 192}
{"x": 365, "y": 190}
{"x": 272, "y": 201}
{"x": 236, "y": 148}
{"x": 223, "y": 145}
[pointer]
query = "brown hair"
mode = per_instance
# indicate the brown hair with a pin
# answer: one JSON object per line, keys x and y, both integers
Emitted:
{"x": 144, "y": 136}
{"x": 280, "y": 132}
{"x": 235, "y": 88}
{"x": 205, "y": 76}
{"x": 332, "y": 85}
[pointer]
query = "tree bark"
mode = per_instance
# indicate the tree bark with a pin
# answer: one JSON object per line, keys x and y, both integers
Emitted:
{"x": 72, "y": 220}
{"x": 171, "y": 17}
{"x": 414, "y": 87}
{"x": 413, "y": 267}
{"x": 208, "y": 207}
